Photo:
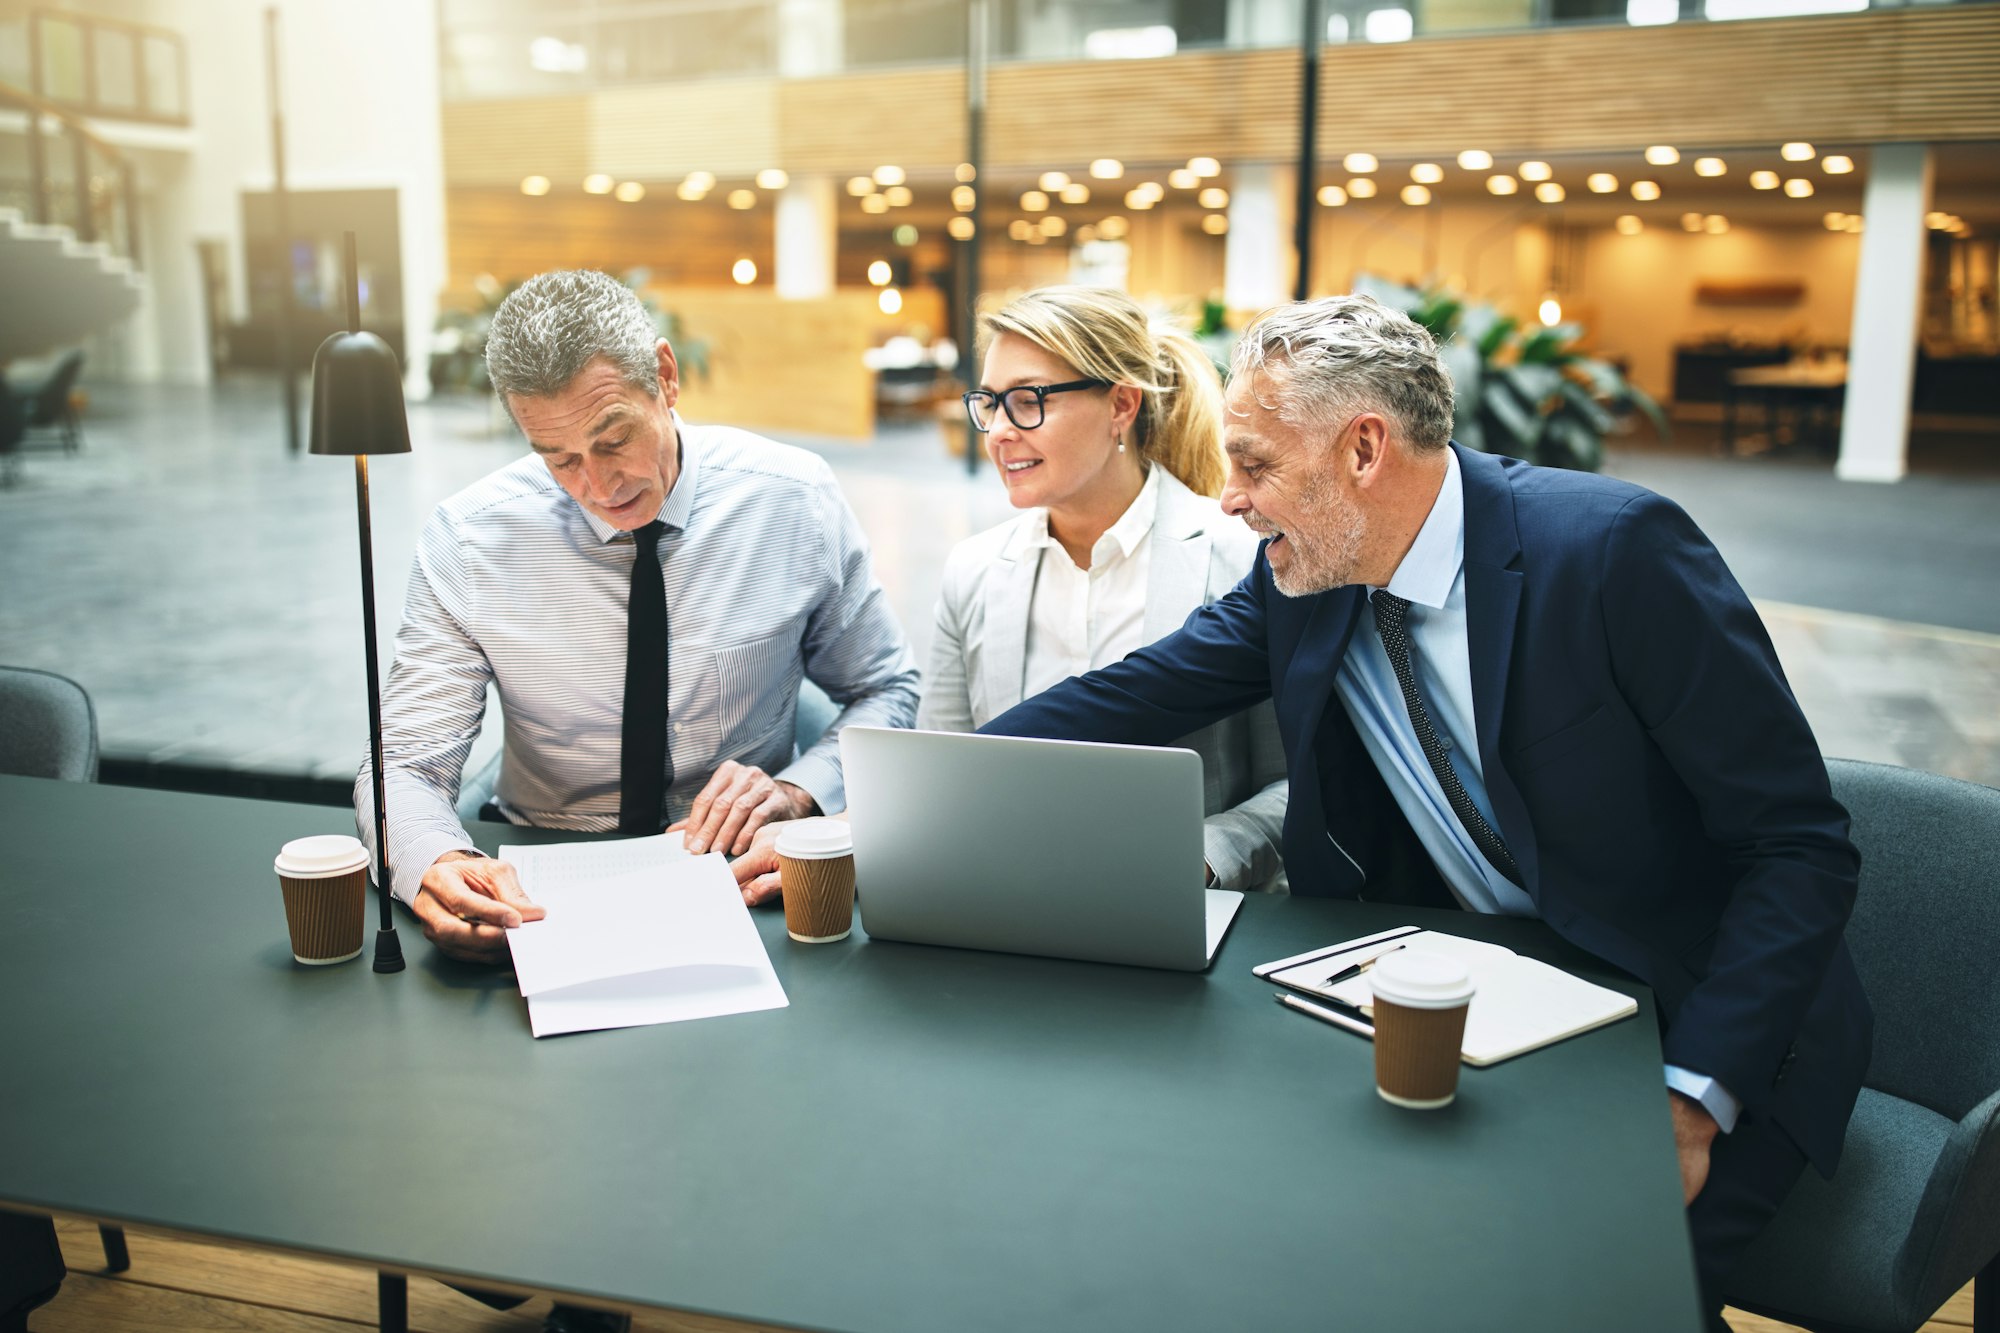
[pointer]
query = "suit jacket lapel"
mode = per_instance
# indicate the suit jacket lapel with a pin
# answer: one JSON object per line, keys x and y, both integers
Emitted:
{"x": 1493, "y": 580}
{"x": 1177, "y": 579}
{"x": 1004, "y": 661}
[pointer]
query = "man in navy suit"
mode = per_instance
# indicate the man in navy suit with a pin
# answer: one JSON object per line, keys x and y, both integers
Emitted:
{"x": 1529, "y": 691}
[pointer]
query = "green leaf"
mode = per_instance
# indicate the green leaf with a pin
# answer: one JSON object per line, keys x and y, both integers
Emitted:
{"x": 1594, "y": 417}
{"x": 1576, "y": 445}
{"x": 1518, "y": 427}
{"x": 1496, "y": 335}
{"x": 1535, "y": 383}
{"x": 1635, "y": 396}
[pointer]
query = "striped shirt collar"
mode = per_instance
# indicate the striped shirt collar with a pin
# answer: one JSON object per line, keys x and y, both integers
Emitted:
{"x": 677, "y": 508}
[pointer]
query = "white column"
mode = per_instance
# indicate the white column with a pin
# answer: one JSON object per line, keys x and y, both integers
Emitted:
{"x": 1257, "y": 257}
{"x": 811, "y": 39}
{"x": 1888, "y": 289}
{"x": 807, "y": 236}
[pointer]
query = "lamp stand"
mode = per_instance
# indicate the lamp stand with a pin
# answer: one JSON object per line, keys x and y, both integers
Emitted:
{"x": 388, "y": 948}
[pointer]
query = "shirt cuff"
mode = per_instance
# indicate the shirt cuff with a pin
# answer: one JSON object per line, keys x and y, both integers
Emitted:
{"x": 420, "y": 854}
{"x": 1717, "y": 1100}
{"x": 820, "y": 778}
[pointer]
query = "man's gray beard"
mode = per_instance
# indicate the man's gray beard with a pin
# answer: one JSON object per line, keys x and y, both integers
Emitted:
{"x": 1328, "y": 561}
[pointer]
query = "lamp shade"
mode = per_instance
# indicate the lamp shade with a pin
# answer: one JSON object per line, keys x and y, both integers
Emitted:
{"x": 357, "y": 402}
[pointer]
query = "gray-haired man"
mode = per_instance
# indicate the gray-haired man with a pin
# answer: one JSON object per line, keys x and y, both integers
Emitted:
{"x": 645, "y": 596}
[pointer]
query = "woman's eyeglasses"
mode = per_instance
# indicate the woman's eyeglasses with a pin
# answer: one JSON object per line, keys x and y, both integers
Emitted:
{"x": 1024, "y": 405}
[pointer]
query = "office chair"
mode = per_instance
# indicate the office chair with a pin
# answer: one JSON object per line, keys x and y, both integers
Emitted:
{"x": 1913, "y": 1213}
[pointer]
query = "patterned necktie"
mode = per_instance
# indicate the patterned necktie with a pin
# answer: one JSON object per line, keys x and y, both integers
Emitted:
{"x": 1389, "y": 623}
{"x": 644, "y": 768}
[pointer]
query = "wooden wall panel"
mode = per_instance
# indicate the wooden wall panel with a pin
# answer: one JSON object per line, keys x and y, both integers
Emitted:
{"x": 1921, "y": 74}
{"x": 503, "y": 233}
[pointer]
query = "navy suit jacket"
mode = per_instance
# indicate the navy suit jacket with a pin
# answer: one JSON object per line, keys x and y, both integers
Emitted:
{"x": 1647, "y": 764}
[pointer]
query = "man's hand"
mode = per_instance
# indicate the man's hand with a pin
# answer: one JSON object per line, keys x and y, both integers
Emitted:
{"x": 468, "y": 904}
{"x": 757, "y": 869}
{"x": 1694, "y": 1130}
{"x": 737, "y": 802}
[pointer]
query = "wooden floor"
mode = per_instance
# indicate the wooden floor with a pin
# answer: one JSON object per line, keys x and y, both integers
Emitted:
{"x": 177, "y": 1285}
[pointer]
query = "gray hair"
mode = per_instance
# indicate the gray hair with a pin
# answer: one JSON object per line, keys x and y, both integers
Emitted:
{"x": 555, "y": 324}
{"x": 1332, "y": 358}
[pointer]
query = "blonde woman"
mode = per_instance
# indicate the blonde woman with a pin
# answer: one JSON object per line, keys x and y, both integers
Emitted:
{"x": 1106, "y": 430}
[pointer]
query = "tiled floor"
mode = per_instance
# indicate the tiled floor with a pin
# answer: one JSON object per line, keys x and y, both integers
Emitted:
{"x": 202, "y": 582}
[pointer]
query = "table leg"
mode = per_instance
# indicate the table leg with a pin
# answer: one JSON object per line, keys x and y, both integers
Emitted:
{"x": 116, "y": 1257}
{"x": 392, "y": 1302}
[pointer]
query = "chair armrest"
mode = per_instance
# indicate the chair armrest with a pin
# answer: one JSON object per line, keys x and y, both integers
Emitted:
{"x": 1957, "y": 1228}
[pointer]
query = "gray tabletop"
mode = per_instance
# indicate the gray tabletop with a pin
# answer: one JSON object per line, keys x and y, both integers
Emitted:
{"x": 926, "y": 1138}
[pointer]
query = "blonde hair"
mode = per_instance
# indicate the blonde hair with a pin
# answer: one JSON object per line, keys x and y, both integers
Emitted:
{"x": 1105, "y": 335}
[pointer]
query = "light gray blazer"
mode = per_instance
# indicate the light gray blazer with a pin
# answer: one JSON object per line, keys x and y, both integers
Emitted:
{"x": 979, "y": 657}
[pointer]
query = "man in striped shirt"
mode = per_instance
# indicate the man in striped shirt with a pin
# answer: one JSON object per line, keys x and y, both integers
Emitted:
{"x": 523, "y": 581}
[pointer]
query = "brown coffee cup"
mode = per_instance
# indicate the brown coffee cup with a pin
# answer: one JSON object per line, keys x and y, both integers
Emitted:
{"x": 816, "y": 868}
{"x": 1421, "y": 1000}
{"x": 325, "y": 883}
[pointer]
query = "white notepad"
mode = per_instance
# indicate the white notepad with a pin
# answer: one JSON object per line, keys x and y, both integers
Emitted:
{"x": 1520, "y": 1005}
{"x": 637, "y": 932}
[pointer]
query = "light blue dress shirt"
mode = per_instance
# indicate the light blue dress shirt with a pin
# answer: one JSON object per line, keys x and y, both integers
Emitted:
{"x": 1431, "y": 578}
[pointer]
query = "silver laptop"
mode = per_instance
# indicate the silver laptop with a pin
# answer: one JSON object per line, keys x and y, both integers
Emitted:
{"x": 1057, "y": 848}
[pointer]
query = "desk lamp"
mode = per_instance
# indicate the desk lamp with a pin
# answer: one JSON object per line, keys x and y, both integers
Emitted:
{"x": 357, "y": 410}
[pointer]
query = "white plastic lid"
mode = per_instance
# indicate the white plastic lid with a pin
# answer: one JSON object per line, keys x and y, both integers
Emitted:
{"x": 816, "y": 839}
{"x": 1420, "y": 979}
{"x": 327, "y": 854}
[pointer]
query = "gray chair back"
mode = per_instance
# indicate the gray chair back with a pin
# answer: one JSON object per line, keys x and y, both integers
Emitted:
{"x": 1926, "y": 930}
{"x": 47, "y": 727}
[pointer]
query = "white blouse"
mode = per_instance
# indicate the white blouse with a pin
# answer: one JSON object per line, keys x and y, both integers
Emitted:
{"x": 1083, "y": 619}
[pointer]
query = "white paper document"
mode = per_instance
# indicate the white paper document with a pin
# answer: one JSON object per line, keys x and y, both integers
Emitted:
{"x": 637, "y": 932}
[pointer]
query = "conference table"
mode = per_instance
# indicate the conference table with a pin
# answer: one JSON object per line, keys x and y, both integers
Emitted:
{"x": 923, "y": 1139}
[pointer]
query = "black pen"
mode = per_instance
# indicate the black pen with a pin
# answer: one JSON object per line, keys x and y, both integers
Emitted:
{"x": 1357, "y": 969}
{"x": 1324, "y": 1015}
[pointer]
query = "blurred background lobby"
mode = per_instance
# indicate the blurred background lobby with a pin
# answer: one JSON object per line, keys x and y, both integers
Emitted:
{"x": 1778, "y": 220}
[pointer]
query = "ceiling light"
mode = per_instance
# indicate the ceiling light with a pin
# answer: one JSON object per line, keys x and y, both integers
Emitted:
{"x": 1797, "y": 152}
{"x": 1763, "y": 180}
{"x": 1710, "y": 166}
{"x": 630, "y": 192}
{"x": 741, "y": 199}
{"x": 860, "y": 186}
{"x": 1204, "y": 167}
{"x": 692, "y": 194}
{"x": 1053, "y": 181}
{"x": 1416, "y": 195}
{"x": 1332, "y": 196}
{"x": 1645, "y": 191}
{"x": 1854, "y": 224}
{"x": 1798, "y": 187}
{"x": 1602, "y": 182}
{"x": 1835, "y": 221}
{"x": 1138, "y": 199}
{"x": 771, "y": 178}
{"x": 1690, "y": 222}
{"x": 1937, "y": 221}
{"x": 1153, "y": 190}
{"x": 1628, "y": 224}
{"x": 1086, "y": 234}
{"x": 1427, "y": 173}
{"x": 1076, "y": 192}
{"x": 1215, "y": 224}
{"x": 1361, "y": 188}
{"x": 961, "y": 229}
{"x": 1113, "y": 227}
{"x": 964, "y": 173}
{"x": 1835, "y": 164}
{"x": 1183, "y": 179}
{"x": 964, "y": 198}
{"x": 1715, "y": 224}
{"x": 1360, "y": 163}
{"x": 899, "y": 196}
{"x": 1476, "y": 159}
{"x": 1107, "y": 168}
{"x": 879, "y": 273}
{"x": 1020, "y": 229}
{"x": 1213, "y": 197}
{"x": 1549, "y": 192}
{"x": 701, "y": 180}
{"x": 889, "y": 301}
{"x": 889, "y": 176}
{"x": 535, "y": 185}
{"x": 1535, "y": 171}
{"x": 874, "y": 203}
{"x": 744, "y": 271}
{"x": 1034, "y": 201}
{"x": 1053, "y": 226}
{"x": 597, "y": 183}
{"x": 1550, "y": 312}
{"x": 1502, "y": 184}
{"x": 1662, "y": 155}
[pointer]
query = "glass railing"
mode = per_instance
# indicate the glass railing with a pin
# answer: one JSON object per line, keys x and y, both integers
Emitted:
{"x": 512, "y": 48}
{"x": 99, "y": 67}
{"x": 55, "y": 172}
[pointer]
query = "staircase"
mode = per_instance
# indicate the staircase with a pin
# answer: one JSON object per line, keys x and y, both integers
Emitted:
{"x": 58, "y": 290}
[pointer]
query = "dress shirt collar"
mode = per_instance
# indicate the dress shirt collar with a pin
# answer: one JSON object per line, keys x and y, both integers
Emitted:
{"x": 1432, "y": 563}
{"x": 677, "y": 508}
{"x": 1129, "y": 532}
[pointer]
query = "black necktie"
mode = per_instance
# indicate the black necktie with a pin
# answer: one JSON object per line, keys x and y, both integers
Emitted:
{"x": 1389, "y": 623}
{"x": 644, "y": 769}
